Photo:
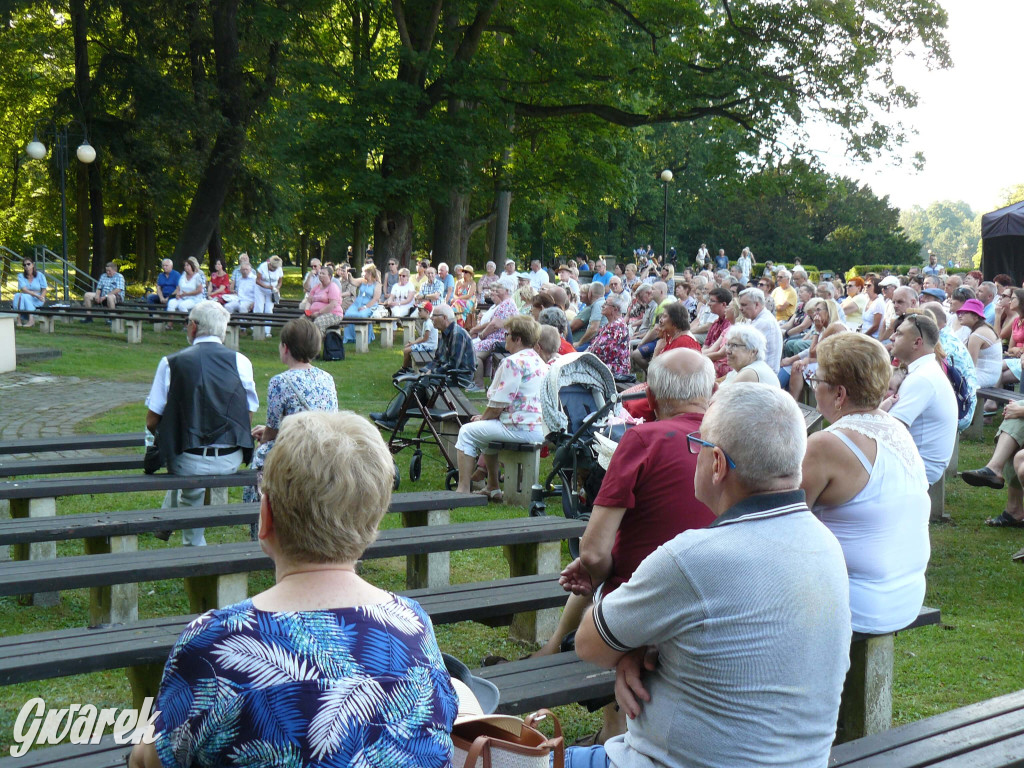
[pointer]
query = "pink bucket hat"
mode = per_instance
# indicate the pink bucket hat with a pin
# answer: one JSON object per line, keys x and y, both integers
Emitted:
{"x": 974, "y": 306}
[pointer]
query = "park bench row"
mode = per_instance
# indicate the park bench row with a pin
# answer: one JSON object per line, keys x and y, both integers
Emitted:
{"x": 129, "y": 320}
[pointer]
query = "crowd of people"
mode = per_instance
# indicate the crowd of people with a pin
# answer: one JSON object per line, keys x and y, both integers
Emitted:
{"x": 830, "y": 532}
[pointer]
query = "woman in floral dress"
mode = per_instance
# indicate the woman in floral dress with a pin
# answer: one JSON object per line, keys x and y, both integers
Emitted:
{"x": 513, "y": 410}
{"x": 464, "y": 302}
{"x": 300, "y": 388}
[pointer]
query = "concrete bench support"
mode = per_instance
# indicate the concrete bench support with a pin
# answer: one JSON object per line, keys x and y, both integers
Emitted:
{"x": 133, "y": 330}
{"x": 208, "y": 592}
{"x": 8, "y": 355}
{"x": 976, "y": 429}
{"x": 408, "y": 331}
{"x": 117, "y": 604}
{"x": 43, "y": 550}
{"x": 259, "y": 332}
{"x": 231, "y": 337}
{"x": 867, "y": 695}
{"x": 526, "y": 560}
{"x": 145, "y": 682}
{"x": 362, "y": 331}
{"x": 159, "y": 327}
{"x": 937, "y": 495}
{"x": 522, "y": 470}
{"x": 387, "y": 334}
{"x": 46, "y": 323}
{"x": 432, "y": 570}
{"x": 116, "y": 325}
{"x": 954, "y": 461}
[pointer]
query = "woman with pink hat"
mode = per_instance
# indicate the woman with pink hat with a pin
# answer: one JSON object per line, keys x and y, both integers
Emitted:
{"x": 983, "y": 344}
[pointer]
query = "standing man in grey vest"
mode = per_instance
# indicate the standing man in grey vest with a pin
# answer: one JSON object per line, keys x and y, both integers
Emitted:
{"x": 200, "y": 407}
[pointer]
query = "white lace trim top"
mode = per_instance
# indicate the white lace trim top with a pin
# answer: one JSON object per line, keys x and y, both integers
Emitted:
{"x": 883, "y": 530}
{"x": 890, "y": 433}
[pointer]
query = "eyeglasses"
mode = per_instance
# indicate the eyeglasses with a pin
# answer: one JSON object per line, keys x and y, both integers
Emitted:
{"x": 1006, "y": 296}
{"x": 735, "y": 345}
{"x": 815, "y": 381}
{"x": 694, "y": 444}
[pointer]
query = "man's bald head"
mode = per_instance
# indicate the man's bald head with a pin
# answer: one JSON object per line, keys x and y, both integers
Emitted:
{"x": 679, "y": 379}
{"x": 558, "y": 295}
{"x": 903, "y": 299}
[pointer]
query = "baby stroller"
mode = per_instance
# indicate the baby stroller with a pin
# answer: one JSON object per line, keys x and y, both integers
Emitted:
{"x": 578, "y": 402}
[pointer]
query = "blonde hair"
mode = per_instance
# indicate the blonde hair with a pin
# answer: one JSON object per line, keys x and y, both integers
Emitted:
{"x": 857, "y": 362}
{"x": 371, "y": 271}
{"x": 275, "y": 262}
{"x": 328, "y": 481}
{"x": 524, "y": 328}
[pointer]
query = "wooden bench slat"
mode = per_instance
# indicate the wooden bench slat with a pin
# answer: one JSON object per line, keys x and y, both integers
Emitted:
{"x": 857, "y": 752}
{"x": 132, "y": 522}
{"x": 73, "y": 443}
{"x": 66, "y": 466}
{"x": 60, "y": 486}
{"x": 548, "y": 681}
{"x": 80, "y": 651}
{"x": 80, "y": 571}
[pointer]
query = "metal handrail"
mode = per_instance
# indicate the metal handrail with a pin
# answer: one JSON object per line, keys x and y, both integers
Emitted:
{"x": 78, "y": 282}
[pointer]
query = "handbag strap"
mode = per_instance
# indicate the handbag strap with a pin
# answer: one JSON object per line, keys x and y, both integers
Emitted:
{"x": 295, "y": 391}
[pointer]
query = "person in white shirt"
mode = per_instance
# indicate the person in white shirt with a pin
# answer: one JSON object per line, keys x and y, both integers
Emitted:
{"x": 510, "y": 279}
{"x": 244, "y": 290}
{"x": 401, "y": 300}
{"x": 752, "y": 306}
{"x": 310, "y": 281}
{"x": 746, "y": 263}
{"x": 702, "y": 255}
{"x": 538, "y": 276}
{"x": 925, "y": 402}
{"x": 268, "y": 279}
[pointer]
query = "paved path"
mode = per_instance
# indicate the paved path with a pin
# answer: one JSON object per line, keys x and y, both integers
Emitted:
{"x": 35, "y": 405}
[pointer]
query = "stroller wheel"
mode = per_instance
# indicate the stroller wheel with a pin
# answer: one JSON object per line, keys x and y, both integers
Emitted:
{"x": 415, "y": 465}
{"x": 451, "y": 480}
{"x": 398, "y": 477}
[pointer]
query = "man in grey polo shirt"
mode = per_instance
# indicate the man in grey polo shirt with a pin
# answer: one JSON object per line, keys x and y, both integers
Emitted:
{"x": 750, "y": 617}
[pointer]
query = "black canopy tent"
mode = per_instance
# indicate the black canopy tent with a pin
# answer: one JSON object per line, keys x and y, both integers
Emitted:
{"x": 1002, "y": 242}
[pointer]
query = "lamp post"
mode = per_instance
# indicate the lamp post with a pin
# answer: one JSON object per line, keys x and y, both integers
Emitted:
{"x": 85, "y": 154}
{"x": 666, "y": 177}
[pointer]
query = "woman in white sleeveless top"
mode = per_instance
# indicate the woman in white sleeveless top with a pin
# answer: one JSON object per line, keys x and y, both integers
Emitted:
{"x": 865, "y": 480}
{"x": 985, "y": 347}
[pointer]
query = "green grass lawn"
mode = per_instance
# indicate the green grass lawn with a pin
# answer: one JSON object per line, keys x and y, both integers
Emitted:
{"x": 975, "y": 654}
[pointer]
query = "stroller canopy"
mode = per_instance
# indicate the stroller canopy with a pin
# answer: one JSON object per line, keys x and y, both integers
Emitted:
{"x": 582, "y": 368}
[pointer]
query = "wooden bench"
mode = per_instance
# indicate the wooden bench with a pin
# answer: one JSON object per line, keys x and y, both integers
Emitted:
{"x": 549, "y": 681}
{"x": 999, "y": 395}
{"x": 989, "y": 734}
{"x": 83, "y": 442}
{"x": 67, "y": 466}
{"x": 528, "y": 600}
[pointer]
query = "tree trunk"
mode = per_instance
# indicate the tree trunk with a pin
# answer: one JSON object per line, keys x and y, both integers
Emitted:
{"x": 83, "y": 93}
{"x": 237, "y": 107}
{"x": 304, "y": 250}
{"x": 215, "y": 248}
{"x": 392, "y": 237}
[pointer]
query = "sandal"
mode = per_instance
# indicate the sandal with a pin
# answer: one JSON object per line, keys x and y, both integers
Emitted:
{"x": 982, "y": 478}
{"x": 589, "y": 741}
{"x": 1018, "y": 557}
{"x": 494, "y": 496}
{"x": 1005, "y": 520}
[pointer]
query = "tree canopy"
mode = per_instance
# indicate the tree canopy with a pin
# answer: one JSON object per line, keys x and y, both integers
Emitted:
{"x": 466, "y": 126}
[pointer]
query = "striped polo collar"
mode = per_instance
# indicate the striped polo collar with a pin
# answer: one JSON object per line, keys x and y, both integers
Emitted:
{"x": 763, "y": 505}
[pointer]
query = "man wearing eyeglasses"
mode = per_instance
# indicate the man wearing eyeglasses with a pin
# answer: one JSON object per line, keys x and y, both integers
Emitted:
{"x": 925, "y": 402}
{"x": 731, "y": 642}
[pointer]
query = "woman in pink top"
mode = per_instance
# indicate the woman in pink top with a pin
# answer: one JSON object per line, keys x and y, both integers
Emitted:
{"x": 325, "y": 303}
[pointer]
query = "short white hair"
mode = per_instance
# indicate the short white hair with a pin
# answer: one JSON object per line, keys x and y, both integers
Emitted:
{"x": 754, "y": 294}
{"x": 783, "y": 272}
{"x": 749, "y": 336}
{"x": 760, "y": 427}
{"x": 666, "y": 385}
{"x": 447, "y": 311}
{"x": 211, "y": 319}
{"x": 618, "y": 300}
